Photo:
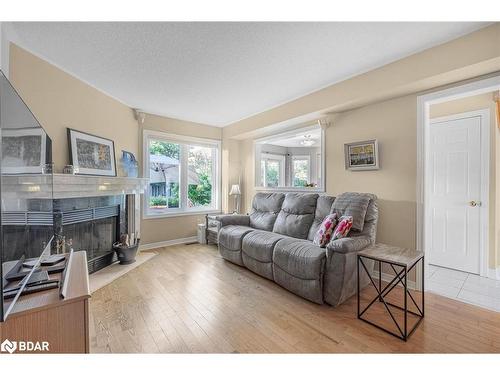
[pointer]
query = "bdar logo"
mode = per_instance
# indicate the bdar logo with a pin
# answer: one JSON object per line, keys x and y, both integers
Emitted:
{"x": 8, "y": 346}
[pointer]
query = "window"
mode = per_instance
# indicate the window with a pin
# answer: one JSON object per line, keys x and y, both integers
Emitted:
{"x": 272, "y": 169}
{"x": 183, "y": 174}
{"x": 292, "y": 160}
{"x": 301, "y": 171}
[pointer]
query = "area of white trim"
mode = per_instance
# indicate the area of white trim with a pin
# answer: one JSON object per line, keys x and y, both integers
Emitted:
{"x": 178, "y": 241}
{"x": 423, "y": 108}
{"x": 210, "y": 211}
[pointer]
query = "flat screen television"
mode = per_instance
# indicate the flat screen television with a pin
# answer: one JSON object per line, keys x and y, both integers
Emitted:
{"x": 26, "y": 192}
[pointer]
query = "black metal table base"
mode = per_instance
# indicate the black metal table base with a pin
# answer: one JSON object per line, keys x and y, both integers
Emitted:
{"x": 401, "y": 277}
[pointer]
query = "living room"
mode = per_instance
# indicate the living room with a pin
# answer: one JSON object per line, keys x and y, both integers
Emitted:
{"x": 223, "y": 187}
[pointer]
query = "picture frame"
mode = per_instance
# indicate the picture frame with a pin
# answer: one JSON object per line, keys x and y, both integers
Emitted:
{"x": 25, "y": 150}
{"x": 361, "y": 156}
{"x": 90, "y": 154}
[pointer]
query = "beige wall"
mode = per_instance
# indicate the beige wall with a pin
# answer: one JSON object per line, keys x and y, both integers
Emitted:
{"x": 484, "y": 101}
{"x": 172, "y": 228}
{"x": 59, "y": 100}
{"x": 393, "y": 124}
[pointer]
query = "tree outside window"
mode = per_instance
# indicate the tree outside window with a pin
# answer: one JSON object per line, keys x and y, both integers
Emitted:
{"x": 181, "y": 171}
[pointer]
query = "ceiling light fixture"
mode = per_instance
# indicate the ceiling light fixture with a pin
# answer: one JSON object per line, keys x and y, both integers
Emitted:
{"x": 307, "y": 141}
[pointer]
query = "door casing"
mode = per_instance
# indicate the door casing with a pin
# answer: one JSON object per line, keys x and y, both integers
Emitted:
{"x": 423, "y": 122}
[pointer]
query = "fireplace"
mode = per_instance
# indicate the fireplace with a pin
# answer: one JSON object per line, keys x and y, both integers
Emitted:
{"x": 91, "y": 224}
{"x": 89, "y": 211}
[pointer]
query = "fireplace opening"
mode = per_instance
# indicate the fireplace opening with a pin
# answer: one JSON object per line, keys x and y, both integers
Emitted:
{"x": 91, "y": 224}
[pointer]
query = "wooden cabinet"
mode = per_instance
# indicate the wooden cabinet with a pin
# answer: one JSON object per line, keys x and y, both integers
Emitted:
{"x": 46, "y": 317}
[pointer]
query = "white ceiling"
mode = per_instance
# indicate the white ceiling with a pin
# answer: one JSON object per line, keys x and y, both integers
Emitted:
{"x": 218, "y": 73}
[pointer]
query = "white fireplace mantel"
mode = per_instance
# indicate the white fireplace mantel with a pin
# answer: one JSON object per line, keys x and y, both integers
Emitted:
{"x": 18, "y": 189}
{"x": 76, "y": 186}
{"x": 70, "y": 186}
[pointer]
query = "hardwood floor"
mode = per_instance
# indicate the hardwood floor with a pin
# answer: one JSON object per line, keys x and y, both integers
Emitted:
{"x": 189, "y": 300}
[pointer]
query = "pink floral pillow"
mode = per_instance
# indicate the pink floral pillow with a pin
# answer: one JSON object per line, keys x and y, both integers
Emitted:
{"x": 343, "y": 227}
{"x": 324, "y": 233}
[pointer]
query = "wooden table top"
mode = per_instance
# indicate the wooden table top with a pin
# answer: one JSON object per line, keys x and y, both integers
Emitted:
{"x": 392, "y": 254}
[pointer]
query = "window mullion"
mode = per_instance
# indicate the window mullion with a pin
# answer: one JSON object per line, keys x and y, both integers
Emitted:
{"x": 183, "y": 188}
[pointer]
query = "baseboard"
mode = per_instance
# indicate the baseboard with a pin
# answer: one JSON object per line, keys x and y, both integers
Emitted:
{"x": 494, "y": 273}
{"x": 388, "y": 277}
{"x": 177, "y": 241}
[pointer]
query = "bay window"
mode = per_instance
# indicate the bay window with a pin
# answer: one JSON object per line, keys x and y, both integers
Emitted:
{"x": 183, "y": 172}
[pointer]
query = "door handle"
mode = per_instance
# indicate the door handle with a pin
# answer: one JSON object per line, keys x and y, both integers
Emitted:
{"x": 474, "y": 203}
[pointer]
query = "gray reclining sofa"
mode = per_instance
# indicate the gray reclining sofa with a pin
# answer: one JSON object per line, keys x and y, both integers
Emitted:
{"x": 275, "y": 241}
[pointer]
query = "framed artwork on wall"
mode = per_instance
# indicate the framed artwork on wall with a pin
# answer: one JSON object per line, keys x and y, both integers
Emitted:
{"x": 24, "y": 150}
{"x": 361, "y": 156}
{"x": 90, "y": 154}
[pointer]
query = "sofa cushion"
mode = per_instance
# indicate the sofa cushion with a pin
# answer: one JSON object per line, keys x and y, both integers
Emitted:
{"x": 352, "y": 204}
{"x": 298, "y": 266}
{"x": 296, "y": 215}
{"x": 265, "y": 208}
{"x": 323, "y": 208}
{"x": 260, "y": 244}
{"x": 299, "y": 258}
{"x": 231, "y": 236}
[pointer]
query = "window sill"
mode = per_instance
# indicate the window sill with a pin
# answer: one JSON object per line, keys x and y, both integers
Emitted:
{"x": 180, "y": 213}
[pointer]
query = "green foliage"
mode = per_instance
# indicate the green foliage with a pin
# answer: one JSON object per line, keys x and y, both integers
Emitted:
{"x": 300, "y": 172}
{"x": 199, "y": 162}
{"x": 158, "y": 201}
{"x": 298, "y": 182}
{"x": 173, "y": 200}
{"x": 272, "y": 178}
{"x": 172, "y": 150}
{"x": 201, "y": 194}
{"x": 161, "y": 200}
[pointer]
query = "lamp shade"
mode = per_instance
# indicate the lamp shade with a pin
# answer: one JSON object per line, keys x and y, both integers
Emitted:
{"x": 235, "y": 190}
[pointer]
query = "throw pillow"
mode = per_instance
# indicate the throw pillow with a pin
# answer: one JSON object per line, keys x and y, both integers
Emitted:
{"x": 343, "y": 227}
{"x": 324, "y": 233}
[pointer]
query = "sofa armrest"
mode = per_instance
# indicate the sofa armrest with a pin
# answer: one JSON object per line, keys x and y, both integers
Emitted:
{"x": 348, "y": 245}
{"x": 233, "y": 220}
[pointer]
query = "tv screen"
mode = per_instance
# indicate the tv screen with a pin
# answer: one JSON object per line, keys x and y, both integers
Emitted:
{"x": 27, "y": 222}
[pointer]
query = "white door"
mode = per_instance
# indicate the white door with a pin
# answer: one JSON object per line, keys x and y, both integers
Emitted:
{"x": 454, "y": 192}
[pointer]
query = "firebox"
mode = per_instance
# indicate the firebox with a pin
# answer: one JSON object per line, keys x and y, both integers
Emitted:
{"x": 91, "y": 224}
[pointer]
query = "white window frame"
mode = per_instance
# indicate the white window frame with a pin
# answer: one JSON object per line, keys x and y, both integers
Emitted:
{"x": 281, "y": 160}
{"x": 300, "y": 157}
{"x": 183, "y": 210}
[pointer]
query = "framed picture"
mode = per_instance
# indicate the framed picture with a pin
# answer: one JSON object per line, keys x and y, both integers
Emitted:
{"x": 361, "y": 156}
{"x": 25, "y": 150}
{"x": 90, "y": 154}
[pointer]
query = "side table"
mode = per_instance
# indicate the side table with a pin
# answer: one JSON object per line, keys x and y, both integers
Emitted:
{"x": 212, "y": 227}
{"x": 401, "y": 261}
